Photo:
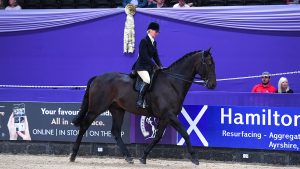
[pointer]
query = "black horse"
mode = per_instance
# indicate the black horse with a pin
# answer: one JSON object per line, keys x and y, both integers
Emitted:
{"x": 114, "y": 92}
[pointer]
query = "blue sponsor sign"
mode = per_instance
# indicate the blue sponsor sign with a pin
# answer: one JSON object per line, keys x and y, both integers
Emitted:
{"x": 271, "y": 128}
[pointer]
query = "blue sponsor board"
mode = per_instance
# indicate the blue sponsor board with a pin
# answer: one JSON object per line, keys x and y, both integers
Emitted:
{"x": 271, "y": 128}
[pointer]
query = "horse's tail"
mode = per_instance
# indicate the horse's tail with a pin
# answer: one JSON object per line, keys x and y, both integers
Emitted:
{"x": 84, "y": 105}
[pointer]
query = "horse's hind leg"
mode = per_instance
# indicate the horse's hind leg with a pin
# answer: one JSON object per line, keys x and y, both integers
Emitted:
{"x": 178, "y": 126}
{"x": 117, "y": 121}
{"x": 162, "y": 124}
{"x": 85, "y": 124}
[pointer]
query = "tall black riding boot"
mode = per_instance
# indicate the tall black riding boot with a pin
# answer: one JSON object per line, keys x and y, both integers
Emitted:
{"x": 141, "y": 95}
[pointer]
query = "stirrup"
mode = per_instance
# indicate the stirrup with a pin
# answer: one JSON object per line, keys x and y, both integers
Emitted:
{"x": 144, "y": 104}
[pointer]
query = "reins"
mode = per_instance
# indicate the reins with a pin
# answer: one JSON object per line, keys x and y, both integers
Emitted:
{"x": 181, "y": 77}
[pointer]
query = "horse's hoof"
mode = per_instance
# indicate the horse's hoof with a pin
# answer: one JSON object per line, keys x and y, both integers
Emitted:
{"x": 195, "y": 161}
{"x": 72, "y": 158}
{"x": 142, "y": 160}
{"x": 129, "y": 160}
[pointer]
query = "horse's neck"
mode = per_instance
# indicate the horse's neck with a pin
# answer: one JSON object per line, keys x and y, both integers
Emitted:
{"x": 187, "y": 69}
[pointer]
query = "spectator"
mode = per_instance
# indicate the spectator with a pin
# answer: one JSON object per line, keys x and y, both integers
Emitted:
{"x": 160, "y": 4}
{"x": 293, "y": 1}
{"x": 156, "y": 4}
{"x": 181, "y": 4}
{"x": 265, "y": 86}
{"x": 1, "y": 4}
{"x": 137, "y": 3}
{"x": 13, "y": 5}
{"x": 151, "y": 4}
{"x": 283, "y": 86}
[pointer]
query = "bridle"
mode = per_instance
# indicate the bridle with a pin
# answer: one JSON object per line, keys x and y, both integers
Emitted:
{"x": 181, "y": 77}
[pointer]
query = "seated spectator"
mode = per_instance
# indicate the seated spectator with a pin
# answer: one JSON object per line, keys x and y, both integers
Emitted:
{"x": 13, "y": 5}
{"x": 156, "y": 4}
{"x": 265, "y": 86}
{"x": 137, "y": 3}
{"x": 293, "y": 2}
{"x": 151, "y": 4}
{"x": 160, "y": 4}
{"x": 181, "y": 4}
{"x": 283, "y": 86}
{"x": 1, "y": 4}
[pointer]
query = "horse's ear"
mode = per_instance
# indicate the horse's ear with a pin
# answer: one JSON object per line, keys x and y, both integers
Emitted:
{"x": 208, "y": 50}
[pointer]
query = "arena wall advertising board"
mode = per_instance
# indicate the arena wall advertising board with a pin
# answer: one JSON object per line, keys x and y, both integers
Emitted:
{"x": 272, "y": 128}
{"x": 52, "y": 122}
{"x": 143, "y": 130}
{"x": 255, "y": 127}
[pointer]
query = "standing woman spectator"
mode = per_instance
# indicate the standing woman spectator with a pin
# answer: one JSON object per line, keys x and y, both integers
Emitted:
{"x": 283, "y": 86}
{"x": 13, "y": 5}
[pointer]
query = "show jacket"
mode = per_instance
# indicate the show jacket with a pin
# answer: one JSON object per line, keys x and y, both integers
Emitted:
{"x": 147, "y": 53}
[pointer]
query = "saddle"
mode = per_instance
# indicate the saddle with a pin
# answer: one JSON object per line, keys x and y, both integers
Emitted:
{"x": 138, "y": 80}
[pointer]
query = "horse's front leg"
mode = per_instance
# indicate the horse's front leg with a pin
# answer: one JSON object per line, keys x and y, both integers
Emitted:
{"x": 162, "y": 124}
{"x": 178, "y": 126}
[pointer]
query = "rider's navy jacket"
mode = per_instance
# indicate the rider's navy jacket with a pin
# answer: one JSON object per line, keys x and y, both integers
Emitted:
{"x": 148, "y": 56}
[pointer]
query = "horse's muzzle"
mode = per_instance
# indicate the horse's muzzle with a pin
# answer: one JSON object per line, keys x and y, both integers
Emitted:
{"x": 211, "y": 85}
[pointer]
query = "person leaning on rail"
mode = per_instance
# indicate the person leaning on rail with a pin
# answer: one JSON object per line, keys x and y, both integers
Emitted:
{"x": 283, "y": 86}
{"x": 265, "y": 86}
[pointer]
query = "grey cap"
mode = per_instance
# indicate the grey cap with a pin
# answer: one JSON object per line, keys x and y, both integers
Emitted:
{"x": 266, "y": 74}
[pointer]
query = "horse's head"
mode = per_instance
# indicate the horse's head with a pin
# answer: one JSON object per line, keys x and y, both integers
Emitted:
{"x": 206, "y": 69}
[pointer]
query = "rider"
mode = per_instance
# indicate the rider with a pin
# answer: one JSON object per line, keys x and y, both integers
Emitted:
{"x": 145, "y": 65}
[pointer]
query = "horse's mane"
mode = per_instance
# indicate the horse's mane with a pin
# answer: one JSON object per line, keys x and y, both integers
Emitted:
{"x": 182, "y": 59}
